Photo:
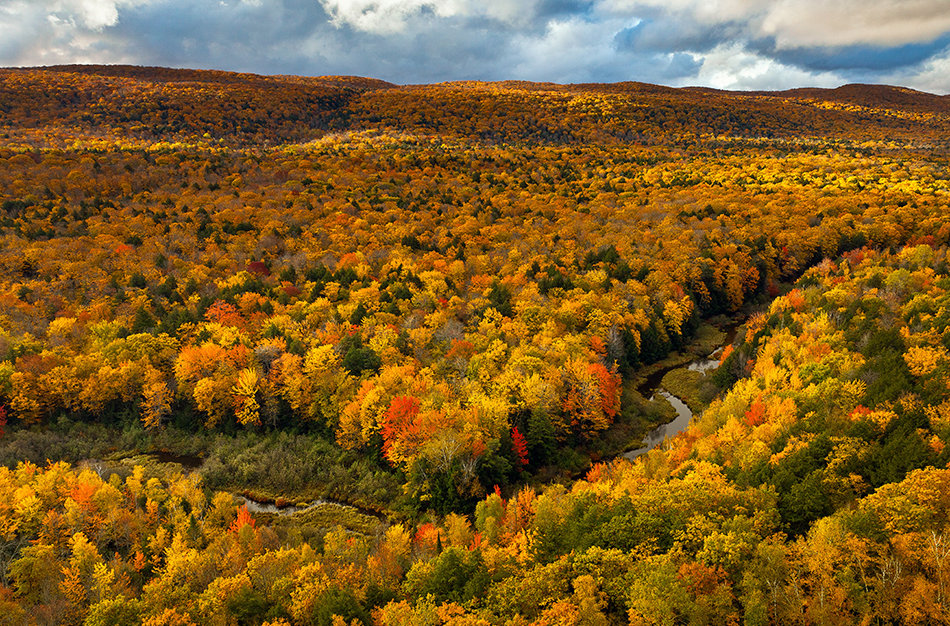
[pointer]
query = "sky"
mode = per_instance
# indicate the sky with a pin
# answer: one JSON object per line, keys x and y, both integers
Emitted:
{"x": 727, "y": 44}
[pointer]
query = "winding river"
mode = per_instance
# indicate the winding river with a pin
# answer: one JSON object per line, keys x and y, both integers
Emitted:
{"x": 651, "y": 388}
{"x": 659, "y": 434}
{"x": 190, "y": 463}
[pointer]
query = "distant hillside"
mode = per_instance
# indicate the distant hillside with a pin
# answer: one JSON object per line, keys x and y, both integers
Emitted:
{"x": 148, "y": 102}
{"x": 172, "y": 75}
{"x": 879, "y": 96}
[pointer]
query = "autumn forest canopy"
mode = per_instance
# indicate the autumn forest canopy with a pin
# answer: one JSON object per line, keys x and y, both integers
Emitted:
{"x": 290, "y": 350}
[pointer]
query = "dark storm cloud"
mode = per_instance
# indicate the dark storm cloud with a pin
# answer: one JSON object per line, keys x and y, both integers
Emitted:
{"x": 857, "y": 57}
{"x": 276, "y": 37}
{"x": 557, "y": 8}
{"x": 729, "y": 43}
{"x": 668, "y": 35}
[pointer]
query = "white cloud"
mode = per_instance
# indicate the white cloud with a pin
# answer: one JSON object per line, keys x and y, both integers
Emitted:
{"x": 932, "y": 76}
{"x": 797, "y": 23}
{"x": 729, "y": 66}
{"x": 90, "y": 14}
{"x": 383, "y": 16}
{"x": 94, "y": 14}
{"x": 42, "y": 32}
{"x": 565, "y": 52}
{"x": 707, "y": 11}
{"x": 392, "y": 16}
{"x": 848, "y": 22}
{"x": 578, "y": 50}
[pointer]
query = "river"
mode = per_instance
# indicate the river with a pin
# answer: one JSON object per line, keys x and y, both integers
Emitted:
{"x": 651, "y": 388}
{"x": 190, "y": 463}
{"x": 267, "y": 506}
{"x": 659, "y": 434}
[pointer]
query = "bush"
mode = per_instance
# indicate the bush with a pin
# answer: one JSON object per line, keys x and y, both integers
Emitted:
{"x": 335, "y": 601}
{"x": 456, "y": 575}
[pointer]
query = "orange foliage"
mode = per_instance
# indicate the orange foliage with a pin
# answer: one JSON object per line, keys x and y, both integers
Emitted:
{"x": 243, "y": 519}
{"x": 756, "y": 413}
{"x": 224, "y": 313}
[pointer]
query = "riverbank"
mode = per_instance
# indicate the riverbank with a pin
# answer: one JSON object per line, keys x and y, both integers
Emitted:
{"x": 680, "y": 385}
{"x": 268, "y": 467}
{"x": 307, "y": 519}
{"x": 291, "y": 475}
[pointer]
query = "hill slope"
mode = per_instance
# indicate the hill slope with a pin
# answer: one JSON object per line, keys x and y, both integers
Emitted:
{"x": 151, "y": 102}
{"x": 324, "y": 348}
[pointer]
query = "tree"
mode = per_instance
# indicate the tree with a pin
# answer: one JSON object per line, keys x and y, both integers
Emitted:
{"x": 519, "y": 446}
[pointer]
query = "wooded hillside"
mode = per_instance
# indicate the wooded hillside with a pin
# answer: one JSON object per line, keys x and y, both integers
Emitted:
{"x": 438, "y": 304}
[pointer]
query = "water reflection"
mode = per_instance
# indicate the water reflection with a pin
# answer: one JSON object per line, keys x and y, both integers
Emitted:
{"x": 659, "y": 434}
{"x": 652, "y": 387}
{"x": 269, "y": 507}
{"x": 708, "y": 364}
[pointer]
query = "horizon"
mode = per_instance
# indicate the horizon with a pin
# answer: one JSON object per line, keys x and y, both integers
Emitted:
{"x": 450, "y": 81}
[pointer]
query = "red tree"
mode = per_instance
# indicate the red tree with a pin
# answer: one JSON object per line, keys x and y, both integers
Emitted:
{"x": 519, "y": 446}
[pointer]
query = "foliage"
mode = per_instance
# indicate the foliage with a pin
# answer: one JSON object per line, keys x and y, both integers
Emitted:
{"x": 412, "y": 298}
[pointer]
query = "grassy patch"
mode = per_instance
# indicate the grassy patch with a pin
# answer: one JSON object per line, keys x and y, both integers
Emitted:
{"x": 314, "y": 523}
{"x": 278, "y": 465}
{"x": 298, "y": 468}
{"x": 73, "y": 441}
{"x": 638, "y": 416}
{"x": 693, "y": 388}
{"x": 707, "y": 339}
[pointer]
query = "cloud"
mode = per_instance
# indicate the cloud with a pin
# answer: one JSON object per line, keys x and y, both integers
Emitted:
{"x": 883, "y": 23}
{"x": 663, "y": 35}
{"x": 731, "y": 66}
{"x": 857, "y": 57}
{"x": 392, "y": 16}
{"x": 815, "y": 41}
{"x": 575, "y": 49}
{"x": 395, "y": 16}
{"x": 930, "y": 76}
{"x": 734, "y": 43}
{"x": 58, "y": 31}
{"x": 805, "y": 23}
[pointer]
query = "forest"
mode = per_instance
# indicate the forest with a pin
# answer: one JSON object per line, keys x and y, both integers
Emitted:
{"x": 288, "y": 350}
